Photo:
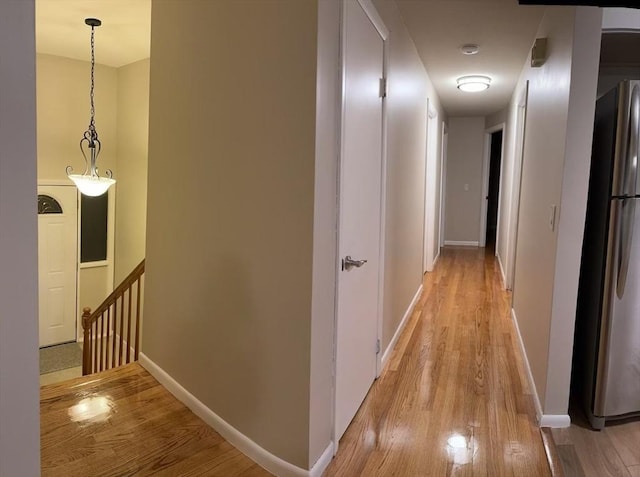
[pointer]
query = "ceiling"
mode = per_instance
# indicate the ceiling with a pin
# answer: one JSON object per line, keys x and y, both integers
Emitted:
{"x": 123, "y": 38}
{"x": 504, "y": 30}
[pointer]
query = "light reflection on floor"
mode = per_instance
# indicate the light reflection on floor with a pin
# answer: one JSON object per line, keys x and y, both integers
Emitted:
{"x": 91, "y": 410}
{"x": 460, "y": 449}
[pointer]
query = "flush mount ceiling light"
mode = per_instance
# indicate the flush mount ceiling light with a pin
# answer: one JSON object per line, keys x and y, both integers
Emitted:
{"x": 90, "y": 183}
{"x": 470, "y": 49}
{"x": 473, "y": 83}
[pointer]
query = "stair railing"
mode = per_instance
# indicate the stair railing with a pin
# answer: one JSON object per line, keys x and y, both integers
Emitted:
{"x": 108, "y": 339}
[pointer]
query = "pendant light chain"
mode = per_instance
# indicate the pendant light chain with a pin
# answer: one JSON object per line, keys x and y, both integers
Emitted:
{"x": 92, "y": 125}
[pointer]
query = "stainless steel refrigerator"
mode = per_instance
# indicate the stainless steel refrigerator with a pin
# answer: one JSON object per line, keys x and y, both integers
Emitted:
{"x": 606, "y": 363}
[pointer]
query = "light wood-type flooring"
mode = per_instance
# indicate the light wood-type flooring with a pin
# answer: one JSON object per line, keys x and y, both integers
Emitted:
{"x": 612, "y": 452}
{"x": 122, "y": 422}
{"x": 453, "y": 399}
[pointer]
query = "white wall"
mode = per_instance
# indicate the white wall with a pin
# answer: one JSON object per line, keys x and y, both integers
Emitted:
{"x": 409, "y": 87}
{"x": 132, "y": 149}
{"x": 573, "y": 201}
{"x": 321, "y": 392}
{"x": 541, "y": 188}
{"x": 496, "y": 118}
{"x": 620, "y": 19}
{"x": 230, "y": 217}
{"x": 63, "y": 115}
{"x": 19, "y": 388}
{"x": 464, "y": 180}
{"x": 555, "y": 172}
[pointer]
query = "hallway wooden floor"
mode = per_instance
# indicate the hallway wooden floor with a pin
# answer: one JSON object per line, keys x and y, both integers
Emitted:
{"x": 453, "y": 399}
{"x": 122, "y": 422}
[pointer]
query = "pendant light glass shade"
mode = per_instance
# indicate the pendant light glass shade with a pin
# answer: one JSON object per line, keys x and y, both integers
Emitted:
{"x": 91, "y": 186}
{"x": 90, "y": 183}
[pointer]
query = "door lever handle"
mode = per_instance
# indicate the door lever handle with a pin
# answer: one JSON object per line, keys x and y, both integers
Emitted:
{"x": 348, "y": 263}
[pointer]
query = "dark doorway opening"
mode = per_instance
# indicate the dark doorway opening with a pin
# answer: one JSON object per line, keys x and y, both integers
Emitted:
{"x": 495, "y": 158}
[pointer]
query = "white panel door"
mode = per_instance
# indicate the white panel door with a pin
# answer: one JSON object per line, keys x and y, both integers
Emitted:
{"x": 360, "y": 207}
{"x": 57, "y": 258}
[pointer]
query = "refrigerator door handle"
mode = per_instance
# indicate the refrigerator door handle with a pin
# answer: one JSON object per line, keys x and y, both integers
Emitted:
{"x": 627, "y": 219}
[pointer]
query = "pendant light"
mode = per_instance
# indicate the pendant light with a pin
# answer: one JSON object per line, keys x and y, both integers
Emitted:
{"x": 473, "y": 83}
{"x": 90, "y": 183}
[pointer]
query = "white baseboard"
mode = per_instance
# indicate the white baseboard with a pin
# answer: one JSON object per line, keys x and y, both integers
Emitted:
{"x": 544, "y": 420}
{"x": 555, "y": 420}
{"x": 527, "y": 368}
{"x": 261, "y": 456}
{"x": 435, "y": 260}
{"x": 462, "y": 243}
{"x": 403, "y": 322}
{"x": 323, "y": 462}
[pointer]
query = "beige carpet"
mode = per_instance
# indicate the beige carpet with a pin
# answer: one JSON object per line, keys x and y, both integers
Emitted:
{"x": 64, "y": 356}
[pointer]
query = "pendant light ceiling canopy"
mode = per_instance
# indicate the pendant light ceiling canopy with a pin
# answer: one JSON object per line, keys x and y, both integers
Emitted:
{"x": 90, "y": 183}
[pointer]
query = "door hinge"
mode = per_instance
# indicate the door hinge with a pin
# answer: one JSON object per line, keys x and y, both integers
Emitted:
{"x": 383, "y": 87}
{"x": 378, "y": 346}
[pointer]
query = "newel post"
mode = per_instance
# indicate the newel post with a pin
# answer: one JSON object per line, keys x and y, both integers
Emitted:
{"x": 86, "y": 346}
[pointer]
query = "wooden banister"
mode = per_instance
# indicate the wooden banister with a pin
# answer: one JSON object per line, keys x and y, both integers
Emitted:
{"x": 105, "y": 340}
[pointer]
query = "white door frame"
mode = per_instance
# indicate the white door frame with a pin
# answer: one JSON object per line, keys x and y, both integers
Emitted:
{"x": 443, "y": 179}
{"x": 516, "y": 183}
{"x": 486, "y": 162}
{"x": 430, "y": 186}
{"x": 376, "y": 20}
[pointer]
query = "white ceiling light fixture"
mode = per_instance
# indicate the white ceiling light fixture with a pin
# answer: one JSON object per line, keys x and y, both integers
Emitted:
{"x": 473, "y": 83}
{"x": 90, "y": 183}
{"x": 470, "y": 49}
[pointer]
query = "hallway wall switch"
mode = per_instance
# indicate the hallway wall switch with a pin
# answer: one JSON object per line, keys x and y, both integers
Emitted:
{"x": 466, "y": 187}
